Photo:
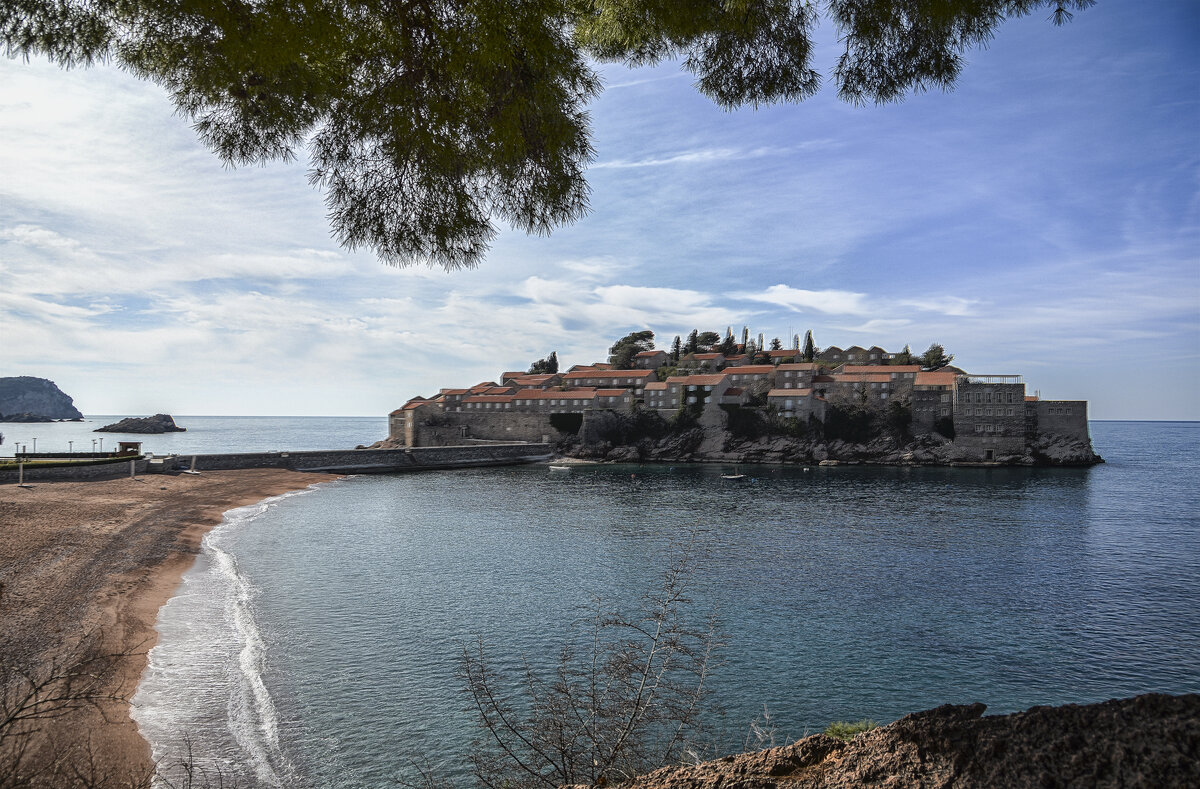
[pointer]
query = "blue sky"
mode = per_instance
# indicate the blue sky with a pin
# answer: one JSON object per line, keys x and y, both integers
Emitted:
{"x": 1043, "y": 219}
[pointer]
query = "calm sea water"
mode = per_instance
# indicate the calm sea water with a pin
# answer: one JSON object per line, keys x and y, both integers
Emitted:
{"x": 315, "y": 641}
{"x": 204, "y": 434}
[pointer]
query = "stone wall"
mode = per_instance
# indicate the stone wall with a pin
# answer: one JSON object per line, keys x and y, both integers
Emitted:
{"x": 1062, "y": 418}
{"x": 454, "y": 429}
{"x": 117, "y": 468}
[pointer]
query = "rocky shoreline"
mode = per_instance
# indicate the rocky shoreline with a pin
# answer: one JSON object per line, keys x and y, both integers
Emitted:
{"x": 1145, "y": 741}
{"x": 702, "y": 445}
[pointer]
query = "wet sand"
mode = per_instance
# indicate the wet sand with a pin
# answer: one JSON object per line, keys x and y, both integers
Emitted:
{"x": 97, "y": 560}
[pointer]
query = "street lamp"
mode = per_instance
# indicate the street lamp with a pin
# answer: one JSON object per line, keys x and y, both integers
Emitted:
{"x": 35, "y": 445}
{"x": 93, "y": 446}
{"x": 70, "y": 447}
{"x": 102, "y": 446}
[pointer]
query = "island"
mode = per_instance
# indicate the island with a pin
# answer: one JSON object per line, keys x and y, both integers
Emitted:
{"x": 24, "y": 398}
{"x": 159, "y": 423}
{"x": 731, "y": 402}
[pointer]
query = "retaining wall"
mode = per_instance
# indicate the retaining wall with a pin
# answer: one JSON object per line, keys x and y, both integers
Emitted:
{"x": 349, "y": 461}
{"x": 119, "y": 468}
{"x": 368, "y": 461}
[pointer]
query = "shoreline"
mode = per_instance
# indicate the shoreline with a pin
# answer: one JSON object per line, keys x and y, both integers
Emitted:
{"x": 99, "y": 559}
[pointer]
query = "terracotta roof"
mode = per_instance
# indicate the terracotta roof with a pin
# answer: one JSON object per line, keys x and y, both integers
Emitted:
{"x": 783, "y": 353}
{"x": 675, "y": 379}
{"x": 751, "y": 369}
{"x": 555, "y": 394}
{"x": 454, "y": 391}
{"x": 703, "y": 380}
{"x": 645, "y": 354}
{"x": 803, "y": 366}
{"x": 935, "y": 379}
{"x": 482, "y": 386}
{"x": 863, "y": 379}
{"x": 512, "y": 375}
{"x": 789, "y": 393}
{"x": 1031, "y": 398}
{"x": 655, "y": 386}
{"x": 609, "y": 374}
{"x": 409, "y": 406}
{"x": 856, "y": 369}
{"x": 707, "y": 356}
{"x": 611, "y": 392}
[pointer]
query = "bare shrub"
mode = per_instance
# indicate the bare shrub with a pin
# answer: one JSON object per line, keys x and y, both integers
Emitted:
{"x": 627, "y": 696}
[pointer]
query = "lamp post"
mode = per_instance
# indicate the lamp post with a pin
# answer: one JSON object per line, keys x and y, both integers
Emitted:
{"x": 102, "y": 446}
{"x": 93, "y": 446}
{"x": 70, "y": 447}
{"x": 35, "y": 445}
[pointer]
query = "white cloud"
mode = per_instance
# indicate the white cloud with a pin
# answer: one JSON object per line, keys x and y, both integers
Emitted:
{"x": 832, "y": 302}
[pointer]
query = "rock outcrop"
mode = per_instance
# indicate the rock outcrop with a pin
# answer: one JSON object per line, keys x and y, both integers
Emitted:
{"x": 159, "y": 423}
{"x": 27, "y": 399}
{"x": 1147, "y": 741}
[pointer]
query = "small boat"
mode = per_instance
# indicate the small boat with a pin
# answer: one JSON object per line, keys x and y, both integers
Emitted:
{"x": 736, "y": 476}
{"x": 559, "y": 468}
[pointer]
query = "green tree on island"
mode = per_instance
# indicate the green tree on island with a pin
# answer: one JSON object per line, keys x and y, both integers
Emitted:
{"x": 810, "y": 348}
{"x": 426, "y": 123}
{"x": 544, "y": 366}
{"x": 935, "y": 358}
{"x": 676, "y": 349}
{"x": 707, "y": 340}
{"x": 621, "y": 354}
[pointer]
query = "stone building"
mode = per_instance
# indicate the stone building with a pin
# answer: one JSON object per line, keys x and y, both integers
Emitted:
{"x": 989, "y": 420}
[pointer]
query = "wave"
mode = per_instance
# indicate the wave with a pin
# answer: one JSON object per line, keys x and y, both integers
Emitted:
{"x": 203, "y": 697}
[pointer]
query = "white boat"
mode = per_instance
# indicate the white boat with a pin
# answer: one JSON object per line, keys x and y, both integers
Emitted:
{"x": 559, "y": 468}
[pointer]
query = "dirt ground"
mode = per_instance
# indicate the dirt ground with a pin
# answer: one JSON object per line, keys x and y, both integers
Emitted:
{"x": 88, "y": 564}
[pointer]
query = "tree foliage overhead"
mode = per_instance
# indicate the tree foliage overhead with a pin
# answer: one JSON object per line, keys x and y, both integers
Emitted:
{"x": 428, "y": 122}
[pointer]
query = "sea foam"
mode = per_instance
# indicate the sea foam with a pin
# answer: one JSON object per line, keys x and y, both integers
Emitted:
{"x": 203, "y": 696}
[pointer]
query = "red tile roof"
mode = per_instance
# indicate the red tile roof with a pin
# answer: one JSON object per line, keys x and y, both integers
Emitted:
{"x": 454, "y": 391}
{"x": 858, "y": 369}
{"x": 703, "y": 380}
{"x": 1031, "y": 398}
{"x": 862, "y": 379}
{"x": 751, "y": 369}
{"x": 655, "y": 386}
{"x": 707, "y": 356}
{"x": 802, "y": 366}
{"x": 611, "y": 392}
{"x": 789, "y": 393}
{"x": 934, "y": 379}
{"x": 647, "y": 354}
{"x": 578, "y": 374}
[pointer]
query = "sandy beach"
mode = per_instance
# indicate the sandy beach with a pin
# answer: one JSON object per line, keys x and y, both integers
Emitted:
{"x": 85, "y": 566}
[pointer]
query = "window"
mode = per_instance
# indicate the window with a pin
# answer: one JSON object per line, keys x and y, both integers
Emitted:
{"x": 988, "y": 396}
{"x": 978, "y": 428}
{"x": 1010, "y": 396}
{"x": 1008, "y": 412}
{"x": 1068, "y": 412}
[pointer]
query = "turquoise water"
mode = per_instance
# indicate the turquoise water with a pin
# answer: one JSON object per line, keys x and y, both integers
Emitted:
{"x": 315, "y": 642}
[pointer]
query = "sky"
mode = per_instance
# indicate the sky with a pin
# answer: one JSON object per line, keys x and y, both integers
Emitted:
{"x": 1042, "y": 219}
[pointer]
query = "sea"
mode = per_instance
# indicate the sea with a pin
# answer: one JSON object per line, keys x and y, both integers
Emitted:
{"x": 316, "y": 641}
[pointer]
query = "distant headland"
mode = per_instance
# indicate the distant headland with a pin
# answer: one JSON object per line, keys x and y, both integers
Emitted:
{"x": 708, "y": 400}
{"x": 24, "y": 398}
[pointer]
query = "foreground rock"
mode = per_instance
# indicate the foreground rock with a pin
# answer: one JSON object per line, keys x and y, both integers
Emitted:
{"x": 1147, "y": 741}
{"x": 159, "y": 423}
{"x": 34, "y": 400}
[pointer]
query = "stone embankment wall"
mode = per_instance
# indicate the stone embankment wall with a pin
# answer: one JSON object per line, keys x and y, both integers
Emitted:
{"x": 454, "y": 428}
{"x": 118, "y": 468}
{"x": 350, "y": 461}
